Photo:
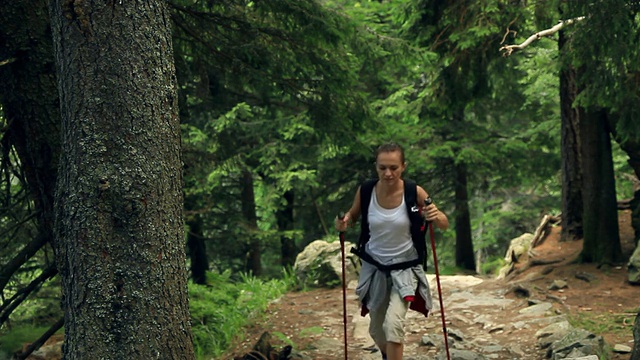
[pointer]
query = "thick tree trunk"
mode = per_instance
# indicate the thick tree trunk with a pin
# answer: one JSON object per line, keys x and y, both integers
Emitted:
{"x": 601, "y": 236}
{"x": 635, "y": 355}
{"x": 285, "y": 223}
{"x": 254, "y": 258}
{"x": 464, "y": 242}
{"x": 631, "y": 147}
{"x": 197, "y": 251}
{"x": 570, "y": 151}
{"x": 119, "y": 226}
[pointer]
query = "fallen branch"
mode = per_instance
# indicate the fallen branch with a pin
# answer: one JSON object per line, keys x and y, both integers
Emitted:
{"x": 38, "y": 343}
{"x": 509, "y": 49}
{"x": 542, "y": 231}
{"x": 22, "y": 257}
{"x": 21, "y": 295}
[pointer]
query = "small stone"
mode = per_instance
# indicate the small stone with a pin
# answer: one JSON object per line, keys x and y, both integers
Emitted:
{"x": 558, "y": 284}
{"x": 621, "y": 349}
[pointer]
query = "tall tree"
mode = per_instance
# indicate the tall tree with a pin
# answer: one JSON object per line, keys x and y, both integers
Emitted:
{"x": 119, "y": 226}
{"x": 460, "y": 32}
{"x": 601, "y": 237}
{"x": 570, "y": 116}
{"x": 269, "y": 86}
{"x": 250, "y": 222}
{"x": 606, "y": 101}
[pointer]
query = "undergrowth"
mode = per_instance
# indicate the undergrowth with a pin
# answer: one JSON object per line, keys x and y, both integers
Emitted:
{"x": 220, "y": 309}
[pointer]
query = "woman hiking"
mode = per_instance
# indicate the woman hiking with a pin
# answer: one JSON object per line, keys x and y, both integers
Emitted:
{"x": 392, "y": 248}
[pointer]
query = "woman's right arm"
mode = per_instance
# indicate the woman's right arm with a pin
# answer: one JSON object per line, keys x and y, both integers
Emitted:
{"x": 351, "y": 215}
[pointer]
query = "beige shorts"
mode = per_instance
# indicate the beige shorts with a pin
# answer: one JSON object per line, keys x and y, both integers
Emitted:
{"x": 387, "y": 323}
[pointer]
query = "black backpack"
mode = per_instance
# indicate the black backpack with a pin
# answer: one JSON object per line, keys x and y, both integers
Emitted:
{"x": 418, "y": 226}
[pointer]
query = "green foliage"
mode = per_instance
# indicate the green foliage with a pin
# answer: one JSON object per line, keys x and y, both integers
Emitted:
{"x": 625, "y": 177}
{"x": 492, "y": 265}
{"x": 220, "y": 309}
{"x": 310, "y": 331}
{"x": 13, "y": 340}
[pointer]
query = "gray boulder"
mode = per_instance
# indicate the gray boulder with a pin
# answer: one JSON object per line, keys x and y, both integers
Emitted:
{"x": 552, "y": 333}
{"x": 517, "y": 247}
{"x": 461, "y": 355}
{"x": 320, "y": 264}
{"x": 577, "y": 343}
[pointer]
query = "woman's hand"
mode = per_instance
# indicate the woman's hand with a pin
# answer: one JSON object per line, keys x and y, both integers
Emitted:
{"x": 430, "y": 212}
{"x": 433, "y": 215}
{"x": 341, "y": 224}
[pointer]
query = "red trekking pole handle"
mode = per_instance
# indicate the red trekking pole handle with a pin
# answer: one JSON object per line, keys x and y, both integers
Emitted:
{"x": 428, "y": 202}
{"x": 344, "y": 289}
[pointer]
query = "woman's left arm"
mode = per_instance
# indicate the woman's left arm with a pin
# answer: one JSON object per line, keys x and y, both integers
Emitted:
{"x": 431, "y": 212}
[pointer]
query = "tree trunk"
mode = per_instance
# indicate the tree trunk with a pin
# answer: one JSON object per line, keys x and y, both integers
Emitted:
{"x": 254, "y": 261}
{"x": 119, "y": 222}
{"x": 285, "y": 223}
{"x": 197, "y": 251}
{"x": 570, "y": 150}
{"x": 601, "y": 236}
{"x": 464, "y": 243}
{"x": 631, "y": 147}
{"x": 635, "y": 355}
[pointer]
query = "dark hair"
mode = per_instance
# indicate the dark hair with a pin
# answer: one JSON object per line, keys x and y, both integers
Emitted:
{"x": 390, "y": 147}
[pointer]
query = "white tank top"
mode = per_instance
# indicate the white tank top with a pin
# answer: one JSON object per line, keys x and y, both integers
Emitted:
{"x": 389, "y": 230}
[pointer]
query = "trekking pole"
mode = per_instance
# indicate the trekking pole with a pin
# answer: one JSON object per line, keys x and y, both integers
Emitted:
{"x": 344, "y": 289}
{"x": 428, "y": 202}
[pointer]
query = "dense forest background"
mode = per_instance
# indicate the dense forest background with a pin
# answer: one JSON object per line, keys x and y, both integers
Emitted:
{"x": 281, "y": 104}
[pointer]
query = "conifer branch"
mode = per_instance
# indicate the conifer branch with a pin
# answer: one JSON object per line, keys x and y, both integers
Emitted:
{"x": 509, "y": 49}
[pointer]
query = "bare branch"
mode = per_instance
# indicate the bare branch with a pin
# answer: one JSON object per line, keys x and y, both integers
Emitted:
{"x": 509, "y": 49}
{"x": 11, "y": 304}
{"x": 22, "y": 257}
{"x": 7, "y": 61}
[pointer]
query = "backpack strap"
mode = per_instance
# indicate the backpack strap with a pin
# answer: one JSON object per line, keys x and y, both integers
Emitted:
{"x": 418, "y": 226}
{"x": 366, "y": 189}
{"x": 416, "y": 220}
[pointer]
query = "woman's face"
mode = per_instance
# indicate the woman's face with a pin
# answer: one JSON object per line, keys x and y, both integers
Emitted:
{"x": 389, "y": 166}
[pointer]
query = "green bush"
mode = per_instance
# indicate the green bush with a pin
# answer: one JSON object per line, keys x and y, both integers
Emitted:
{"x": 220, "y": 309}
{"x": 493, "y": 265}
{"x": 12, "y": 340}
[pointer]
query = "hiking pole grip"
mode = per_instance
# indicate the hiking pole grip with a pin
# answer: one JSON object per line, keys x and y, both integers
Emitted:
{"x": 341, "y": 216}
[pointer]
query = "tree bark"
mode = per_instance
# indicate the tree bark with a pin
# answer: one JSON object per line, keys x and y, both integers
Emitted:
{"x": 285, "y": 223}
{"x": 635, "y": 355}
{"x": 119, "y": 223}
{"x": 631, "y": 147}
{"x": 464, "y": 242}
{"x": 254, "y": 258}
{"x": 570, "y": 116}
{"x": 601, "y": 235}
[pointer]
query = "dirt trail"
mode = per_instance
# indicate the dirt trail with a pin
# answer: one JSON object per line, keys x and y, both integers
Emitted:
{"x": 485, "y": 313}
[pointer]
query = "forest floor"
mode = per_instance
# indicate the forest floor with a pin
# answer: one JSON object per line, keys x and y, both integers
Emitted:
{"x": 605, "y": 306}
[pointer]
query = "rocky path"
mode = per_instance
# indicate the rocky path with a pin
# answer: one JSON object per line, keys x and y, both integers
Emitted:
{"x": 475, "y": 319}
{"x": 485, "y": 318}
